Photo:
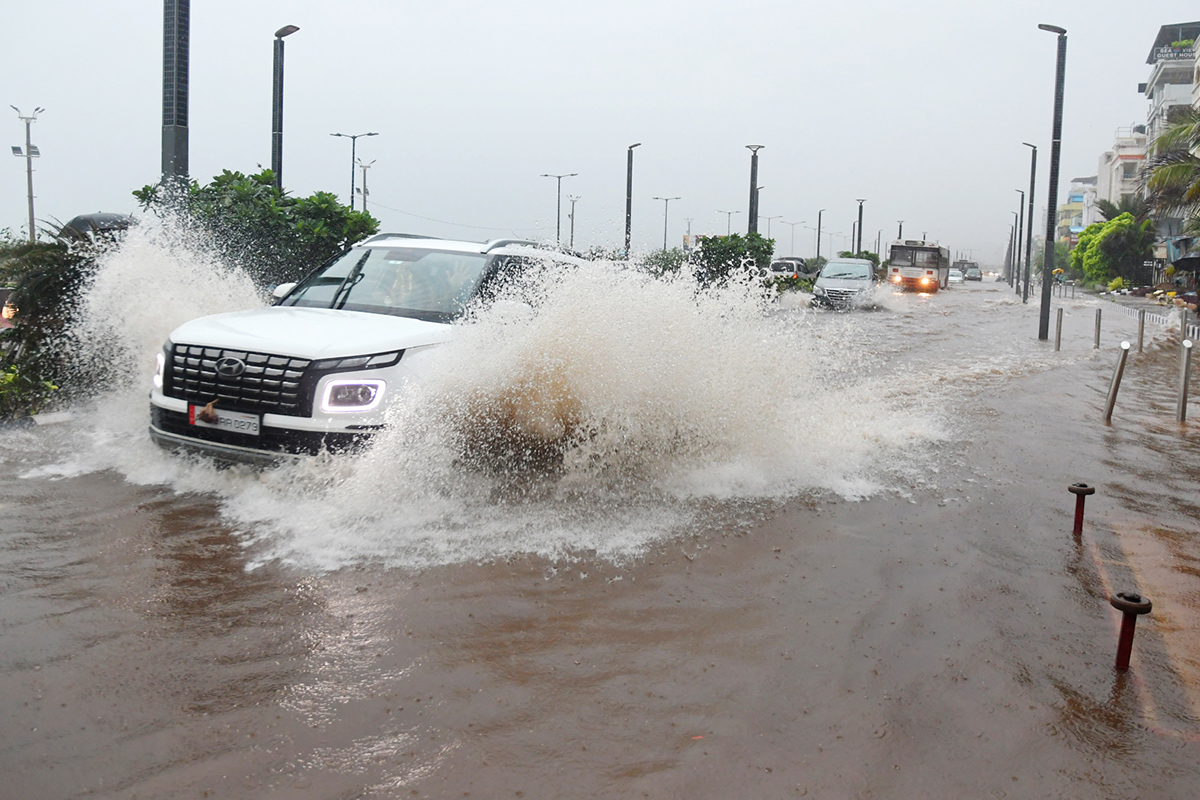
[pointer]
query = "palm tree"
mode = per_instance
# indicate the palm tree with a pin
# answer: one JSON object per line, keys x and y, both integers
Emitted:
{"x": 1174, "y": 169}
{"x": 1130, "y": 204}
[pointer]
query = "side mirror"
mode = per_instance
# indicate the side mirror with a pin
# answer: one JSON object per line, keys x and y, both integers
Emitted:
{"x": 281, "y": 291}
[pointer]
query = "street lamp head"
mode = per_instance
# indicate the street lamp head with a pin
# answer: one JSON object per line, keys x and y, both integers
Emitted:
{"x": 635, "y": 144}
{"x": 1053, "y": 29}
{"x": 1027, "y": 144}
{"x": 754, "y": 148}
{"x": 286, "y": 30}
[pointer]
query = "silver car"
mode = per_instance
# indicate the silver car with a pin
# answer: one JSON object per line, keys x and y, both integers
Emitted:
{"x": 843, "y": 281}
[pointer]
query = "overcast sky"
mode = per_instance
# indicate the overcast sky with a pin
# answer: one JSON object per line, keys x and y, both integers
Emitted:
{"x": 919, "y": 107}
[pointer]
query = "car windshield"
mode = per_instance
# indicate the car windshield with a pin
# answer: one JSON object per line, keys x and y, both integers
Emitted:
{"x": 408, "y": 282}
{"x": 836, "y": 269}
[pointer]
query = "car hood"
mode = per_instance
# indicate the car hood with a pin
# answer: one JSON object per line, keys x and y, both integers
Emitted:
{"x": 310, "y": 332}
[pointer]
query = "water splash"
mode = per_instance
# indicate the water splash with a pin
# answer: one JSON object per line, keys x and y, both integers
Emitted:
{"x": 624, "y": 410}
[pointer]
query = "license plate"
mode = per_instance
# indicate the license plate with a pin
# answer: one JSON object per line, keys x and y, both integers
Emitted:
{"x": 232, "y": 421}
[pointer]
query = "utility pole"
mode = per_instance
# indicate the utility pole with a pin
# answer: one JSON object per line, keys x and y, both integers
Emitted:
{"x": 558, "y": 208}
{"x": 31, "y": 152}
{"x": 688, "y": 220}
{"x": 728, "y": 220}
{"x": 572, "y": 198}
{"x": 858, "y": 246}
{"x": 365, "y": 167}
{"x": 754, "y": 187}
{"x": 176, "y": 47}
{"x": 666, "y": 204}
{"x": 629, "y": 196}
{"x": 900, "y": 230}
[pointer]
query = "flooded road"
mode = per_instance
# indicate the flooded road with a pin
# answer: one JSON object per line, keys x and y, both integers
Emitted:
{"x": 881, "y": 598}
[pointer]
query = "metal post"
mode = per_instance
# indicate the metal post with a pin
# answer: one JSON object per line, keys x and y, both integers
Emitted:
{"x": 1183, "y": 325}
{"x": 666, "y": 205}
{"x": 1020, "y": 236}
{"x": 1029, "y": 229}
{"x": 900, "y": 229}
{"x": 1185, "y": 372}
{"x": 753, "y": 222}
{"x": 1052, "y": 200}
{"x": 858, "y": 247}
{"x": 365, "y": 167}
{"x": 1096, "y": 345}
{"x": 1081, "y": 491}
{"x": 29, "y": 155}
{"x": 1115, "y": 386}
{"x": 1141, "y": 327}
{"x": 1131, "y": 605}
{"x": 629, "y": 195}
{"x": 176, "y": 32}
{"x": 573, "y": 198}
{"x": 1058, "y": 332}
{"x": 819, "y": 213}
{"x": 558, "y": 208}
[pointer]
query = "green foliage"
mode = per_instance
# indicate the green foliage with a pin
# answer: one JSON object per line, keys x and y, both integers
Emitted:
{"x": 274, "y": 237}
{"x": 787, "y": 283}
{"x": 1062, "y": 256}
{"x": 663, "y": 262}
{"x": 21, "y": 394}
{"x": 1182, "y": 43}
{"x": 1116, "y": 284}
{"x": 1132, "y": 204}
{"x": 48, "y": 280}
{"x": 869, "y": 256}
{"x": 1174, "y": 170}
{"x": 1113, "y": 249}
{"x": 816, "y": 263}
{"x": 717, "y": 258}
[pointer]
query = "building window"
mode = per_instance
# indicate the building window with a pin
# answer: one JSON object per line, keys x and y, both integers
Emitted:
{"x": 1129, "y": 171}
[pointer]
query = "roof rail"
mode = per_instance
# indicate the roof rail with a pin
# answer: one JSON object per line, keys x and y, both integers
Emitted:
{"x": 494, "y": 243}
{"x": 398, "y": 236}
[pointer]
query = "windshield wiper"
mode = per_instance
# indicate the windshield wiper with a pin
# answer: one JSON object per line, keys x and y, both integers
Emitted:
{"x": 352, "y": 277}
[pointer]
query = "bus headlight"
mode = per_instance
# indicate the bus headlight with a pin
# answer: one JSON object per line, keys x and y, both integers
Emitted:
{"x": 351, "y": 395}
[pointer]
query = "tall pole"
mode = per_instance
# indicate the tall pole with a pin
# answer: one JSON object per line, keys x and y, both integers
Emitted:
{"x": 728, "y": 220}
{"x": 558, "y": 212}
{"x": 277, "y": 111}
{"x": 819, "y": 213}
{"x": 365, "y": 167}
{"x": 666, "y": 204}
{"x": 176, "y": 27}
{"x": 573, "y": 198}
{"x": 353, "y": 137}
{"x": 1052, "y": 201}
{"x": 1020, "y": 236}
{"x": 30, "y": 154}
{"x": 900, "y": 230}
{"x": 792, "y": 249}
{"x": 768, "y": 219}
{"x": 629, "y": 195}
{"x": 752, "y": 226}
{"x": 1029, "y": 230}
{"x": 858, "y": 247}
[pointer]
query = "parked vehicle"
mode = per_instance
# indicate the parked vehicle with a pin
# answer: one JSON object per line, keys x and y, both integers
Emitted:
{"x": 317, "y": 370}
{"x": 843, "y": 282}
{"x": 956, "y": 276}
{"x": 789, "y": 267}
{"x": 919, "y": 266}
{"x": 973, "y": 273}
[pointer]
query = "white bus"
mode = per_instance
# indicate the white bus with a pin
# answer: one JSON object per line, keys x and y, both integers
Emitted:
{"x": 918, "y": 266}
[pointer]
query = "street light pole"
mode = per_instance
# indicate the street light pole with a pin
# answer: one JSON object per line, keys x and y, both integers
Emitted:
{"x": 1029, "y": 230}
{"x": 558, "y": 211}
{"x": 31, "y": 152}
{"x": 858, "y": 247}
{"x": 365, "y": 167}
{"x": 353, "y": 137}
{"x": 754, "y": 187}
{"x": 900, "y": 231}
{"x": 666, "y": 204}
{"x": 571, "y": 216}
{"x": 819, "y": 213}
{"x": 728, "y": 217}
{"x": 1052, "y": 202}
{"x": 768, "y": 219}
{"x": 792, "y": 249}
{"x": 1020, "y": 236}
{"x": 629, "y": 195}
{"x": 277, "y": 110}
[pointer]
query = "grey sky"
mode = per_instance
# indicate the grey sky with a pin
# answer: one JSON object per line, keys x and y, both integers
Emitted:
{"x": 919, "y": 107}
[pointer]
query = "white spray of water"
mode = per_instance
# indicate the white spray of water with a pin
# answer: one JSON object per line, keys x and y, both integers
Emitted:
{"x": 624, "y": 410}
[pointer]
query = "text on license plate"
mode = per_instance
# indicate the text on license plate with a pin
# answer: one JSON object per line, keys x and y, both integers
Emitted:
{"x": 232, "y": 421}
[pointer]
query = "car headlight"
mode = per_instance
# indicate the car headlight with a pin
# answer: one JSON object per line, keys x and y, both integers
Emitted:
{"x": 160, "y": 366}
{"x": 818, "y": 290}
{"x": 352, "y": 395}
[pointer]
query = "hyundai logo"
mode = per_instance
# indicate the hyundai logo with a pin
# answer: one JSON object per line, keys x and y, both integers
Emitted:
{"x": 230, "y": 367}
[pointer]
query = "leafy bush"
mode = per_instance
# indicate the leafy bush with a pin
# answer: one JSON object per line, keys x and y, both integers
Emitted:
{"x": 1116, "y": 284}
{"x": 274, "y": 237}
{"x": 21, "y": 394}
{"x": 663, "y": 262}
{"x": 717, "y": 258}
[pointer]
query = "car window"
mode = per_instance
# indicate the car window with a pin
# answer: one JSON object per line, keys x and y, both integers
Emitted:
{"x": 427, "y": 284}
{"x": 838, "y": 269}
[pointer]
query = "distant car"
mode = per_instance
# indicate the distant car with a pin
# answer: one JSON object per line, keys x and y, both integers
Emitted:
{"x": 844, "y": 281}
{"x": 973, "y": 274}
{"x": 788, "y": 267}
{"x": 956, "y": 276}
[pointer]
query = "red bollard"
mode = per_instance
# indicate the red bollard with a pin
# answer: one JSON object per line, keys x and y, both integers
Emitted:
{"x": 1080, "y": 490}
{"x": 1130, "y": 604}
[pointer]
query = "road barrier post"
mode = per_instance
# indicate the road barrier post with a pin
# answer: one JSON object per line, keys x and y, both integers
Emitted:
{"x": 1185, "y": 370}
{"x": 1116, "y": 378}
{"x": 1058, "y": 331}
{"x": 1096, "y": 346}
{"x": 1141, "y": 327}
{"x": 1131, "y": 605}
{"x": 1080, "y": 490}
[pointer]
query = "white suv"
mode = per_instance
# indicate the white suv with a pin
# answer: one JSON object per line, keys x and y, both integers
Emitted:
{"x": 315, "y": 370}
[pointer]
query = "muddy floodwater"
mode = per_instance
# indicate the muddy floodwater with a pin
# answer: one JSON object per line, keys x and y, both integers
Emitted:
{"x": 881, "y": 597}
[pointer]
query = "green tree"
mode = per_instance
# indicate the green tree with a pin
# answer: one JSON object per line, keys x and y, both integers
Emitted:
{"x": 663, "y": 262}
{"x": 717, "y": 258}
{"x": 274, "y": 237}
{"x": 1130, "y": 204}
{"x": 1112, "y": 249}
{"x": 869, "y": 256}
{"x": 1174, "y": 170}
